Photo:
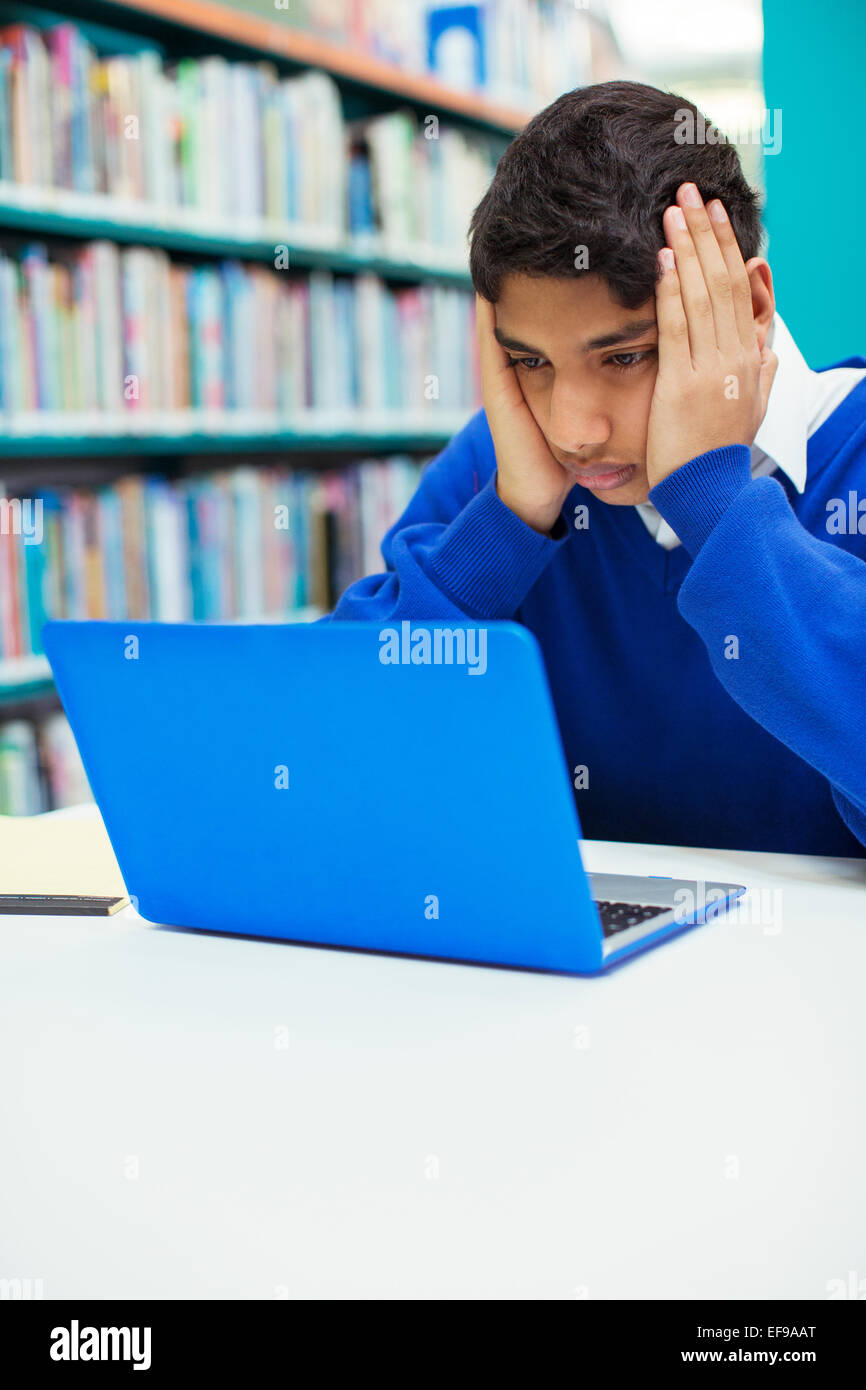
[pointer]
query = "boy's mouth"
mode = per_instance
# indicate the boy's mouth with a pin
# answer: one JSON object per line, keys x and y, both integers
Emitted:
{"x": 603, "y": 476}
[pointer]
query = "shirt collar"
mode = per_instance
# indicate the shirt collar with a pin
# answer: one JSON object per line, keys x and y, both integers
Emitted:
{"x": 784, "y": 430}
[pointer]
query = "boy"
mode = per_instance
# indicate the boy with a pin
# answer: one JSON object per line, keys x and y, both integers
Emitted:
{"x": 658, "y": 487}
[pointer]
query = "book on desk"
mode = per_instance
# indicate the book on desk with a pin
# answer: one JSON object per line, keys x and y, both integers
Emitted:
{"x": 58, "y": 865}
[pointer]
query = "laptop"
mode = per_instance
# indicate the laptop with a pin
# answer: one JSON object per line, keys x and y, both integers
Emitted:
{"x": 399, "y": 788}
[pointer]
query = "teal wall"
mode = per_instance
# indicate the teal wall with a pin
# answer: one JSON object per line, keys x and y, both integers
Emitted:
{"x": 815, "y": 73}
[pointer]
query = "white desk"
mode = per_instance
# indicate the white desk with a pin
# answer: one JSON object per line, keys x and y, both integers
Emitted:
{"x": 691, "y": 1126}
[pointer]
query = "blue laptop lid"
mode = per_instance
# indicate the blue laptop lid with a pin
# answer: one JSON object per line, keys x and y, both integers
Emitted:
{"x": 400, "y": 789}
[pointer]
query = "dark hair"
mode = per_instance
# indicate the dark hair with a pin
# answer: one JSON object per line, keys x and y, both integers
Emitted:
{"x": 597, "y": 168}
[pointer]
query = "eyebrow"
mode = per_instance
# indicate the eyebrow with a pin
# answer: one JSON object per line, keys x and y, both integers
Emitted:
{"x": 626, "y": 334}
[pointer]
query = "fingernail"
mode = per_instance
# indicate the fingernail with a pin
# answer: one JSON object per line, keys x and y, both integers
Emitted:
{"x": 690, "y": 195}
{"x": 678, "y": 218}
{"x": 717, "y": 211}
{"x": 666, "y": 256}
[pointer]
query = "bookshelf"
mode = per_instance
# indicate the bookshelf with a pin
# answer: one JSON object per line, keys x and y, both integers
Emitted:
{"x": 22, "y": 679}
{"x": 54, "y": 213}
{"x": 68, "y": 220}
{"x": 26, "y": 681}
{"x": 411, "y": 439}
{"x": 196, "y": 26}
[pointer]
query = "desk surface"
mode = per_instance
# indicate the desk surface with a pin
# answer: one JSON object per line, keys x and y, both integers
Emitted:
{"x": 191, "y": 1116}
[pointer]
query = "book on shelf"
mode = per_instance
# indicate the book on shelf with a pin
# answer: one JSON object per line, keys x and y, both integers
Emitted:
{"x": 520, "y": 51}
{"x": 422, "y": 182}
{"x": 126, "y": 336}
{"x": 40, "y": 766}
{"x": 248, "y": 544}
{"x": 235, "y": 544}
{"x": 240, "y": 147}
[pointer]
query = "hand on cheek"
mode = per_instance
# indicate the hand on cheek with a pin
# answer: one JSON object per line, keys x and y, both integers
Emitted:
{"x": 713, "y": 380}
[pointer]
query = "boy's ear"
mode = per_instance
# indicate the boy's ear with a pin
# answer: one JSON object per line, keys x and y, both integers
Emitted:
{"x": 763, "y": 298}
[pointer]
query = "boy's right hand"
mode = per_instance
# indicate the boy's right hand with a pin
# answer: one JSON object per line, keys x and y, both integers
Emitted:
{"x": 529, "y": 479}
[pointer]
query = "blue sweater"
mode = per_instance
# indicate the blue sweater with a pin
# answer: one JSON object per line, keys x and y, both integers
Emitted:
{"x": 714, "y": 693}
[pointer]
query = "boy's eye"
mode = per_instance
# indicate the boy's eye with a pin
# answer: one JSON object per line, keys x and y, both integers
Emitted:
{"x": 530, "y": 363}
{"x": 620, "y": 361}
{"x": 628, "y": 361}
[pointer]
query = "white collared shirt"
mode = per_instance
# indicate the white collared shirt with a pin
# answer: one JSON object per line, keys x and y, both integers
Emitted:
{"x": 800, "y": 401}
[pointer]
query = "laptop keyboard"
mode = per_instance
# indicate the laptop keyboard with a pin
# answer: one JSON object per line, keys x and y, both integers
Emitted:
{"x": 617, "y": 916}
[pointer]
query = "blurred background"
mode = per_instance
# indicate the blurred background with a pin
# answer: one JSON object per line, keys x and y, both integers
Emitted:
{"x": 235, "y": 314}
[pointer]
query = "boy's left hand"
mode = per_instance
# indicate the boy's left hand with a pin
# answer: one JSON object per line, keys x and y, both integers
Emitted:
{"x": 713, "y": 379}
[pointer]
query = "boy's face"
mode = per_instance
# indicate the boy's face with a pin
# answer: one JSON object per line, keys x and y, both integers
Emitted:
{"x": 587, "y": 368}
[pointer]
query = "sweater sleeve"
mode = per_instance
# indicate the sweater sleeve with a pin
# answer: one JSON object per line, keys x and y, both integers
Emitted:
{"x": 781, "y": 613}
{"x": 457, "y": 550}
